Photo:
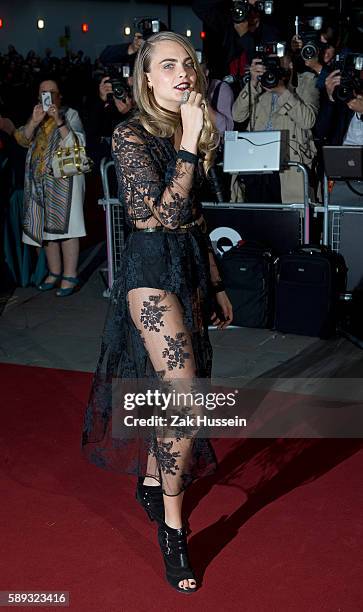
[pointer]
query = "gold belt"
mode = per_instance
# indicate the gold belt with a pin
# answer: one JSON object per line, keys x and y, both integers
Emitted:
{"x": 162, "y": 228}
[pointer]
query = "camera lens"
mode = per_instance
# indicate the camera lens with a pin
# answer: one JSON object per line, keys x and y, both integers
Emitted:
{"x": 309, "y": 51}
{"x": 270, "y": 79}
{"x": 343, "y": 93}
{"x": 240, "y": 10}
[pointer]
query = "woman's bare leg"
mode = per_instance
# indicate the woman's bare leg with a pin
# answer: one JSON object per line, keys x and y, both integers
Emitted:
{"x": 70, "y": 251}
{"x": 158, "y": 316}
{"x": 53, "y": 255}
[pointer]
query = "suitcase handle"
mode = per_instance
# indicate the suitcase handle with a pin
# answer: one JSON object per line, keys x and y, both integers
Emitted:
{"x": 312, "y": 248}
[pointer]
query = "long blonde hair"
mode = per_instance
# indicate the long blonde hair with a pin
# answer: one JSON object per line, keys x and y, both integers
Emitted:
{"x": 159, "y": 121}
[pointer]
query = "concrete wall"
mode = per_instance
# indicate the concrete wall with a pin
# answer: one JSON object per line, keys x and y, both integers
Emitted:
{"x": 106, "y": 22}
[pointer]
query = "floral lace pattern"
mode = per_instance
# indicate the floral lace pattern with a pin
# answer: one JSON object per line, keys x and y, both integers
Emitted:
{"x": 175, "y": 353}
{"x": 157, "y": 325}
{"x": 152, "y": 313}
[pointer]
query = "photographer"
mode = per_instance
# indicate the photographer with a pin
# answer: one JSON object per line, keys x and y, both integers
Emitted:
{"x": 238, "y": 28}
{"x": 113, "y": 105}
{"x": 318, "y": 56}
{"x": 340, "y": 122}
{"x": 280, "y": 107}
{"x": 123, "y": 53}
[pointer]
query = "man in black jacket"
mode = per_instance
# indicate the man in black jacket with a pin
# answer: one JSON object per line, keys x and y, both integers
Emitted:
{"x": 106, "y": 112}
{"x": 334, "y": 119}
{"x": 341, "y": 123}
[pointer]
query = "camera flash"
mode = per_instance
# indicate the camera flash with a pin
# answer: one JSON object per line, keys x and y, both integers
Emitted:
{"x": 317, "y": 23}
{"x": 280, "y": 49}
{"x": 40, "y": 24}
{"x": 127, "y": 30}
{"x": 155, "y": 26}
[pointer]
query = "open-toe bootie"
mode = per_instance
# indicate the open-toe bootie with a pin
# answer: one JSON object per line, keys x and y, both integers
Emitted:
{"x": 173, "y": 544}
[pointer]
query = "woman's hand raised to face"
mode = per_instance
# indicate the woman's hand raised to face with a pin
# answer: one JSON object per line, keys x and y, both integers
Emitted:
{"x": 38, "y": 114}
{"x": 192, "y": 121}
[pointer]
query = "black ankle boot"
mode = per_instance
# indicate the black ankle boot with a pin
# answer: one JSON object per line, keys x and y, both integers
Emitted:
{"x": 173, "y": 544}
{"x": 151, "y": 499}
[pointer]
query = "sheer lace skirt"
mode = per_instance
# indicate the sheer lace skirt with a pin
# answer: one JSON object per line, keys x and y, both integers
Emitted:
{"x": 156, "y": 328}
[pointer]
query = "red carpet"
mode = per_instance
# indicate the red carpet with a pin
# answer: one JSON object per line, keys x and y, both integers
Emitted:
{"x": 278, "y": 528}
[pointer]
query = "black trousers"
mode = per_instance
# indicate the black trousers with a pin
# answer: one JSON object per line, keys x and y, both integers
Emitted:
{"x": 265, "y": 188}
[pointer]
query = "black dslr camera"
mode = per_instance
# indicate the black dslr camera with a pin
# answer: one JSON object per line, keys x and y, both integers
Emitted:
{"x": 241, "y": 9}
{"x": 118, "y": 79}
{"x": 351, "y": 84}
{"x": 270, "y": 54}
{"x": 309, "y": 32}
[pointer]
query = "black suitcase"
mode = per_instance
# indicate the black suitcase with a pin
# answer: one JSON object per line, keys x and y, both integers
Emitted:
{"x": 309, "y": 281}
{"x": 248, "y": 273}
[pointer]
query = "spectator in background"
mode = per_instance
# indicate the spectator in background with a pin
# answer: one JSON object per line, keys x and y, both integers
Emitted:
{"x": 105, "y": 113}
{"x": 53, "y": 208}
{"x": 6, "y": 125}
{"x": 341, "y": 123}
{"x": 123, "y": 53}
{"x": 234, "y": 44}
{"x": 321, "y": 64}
{"x": 220, "y": 99}
{"x": 283, "y": 107}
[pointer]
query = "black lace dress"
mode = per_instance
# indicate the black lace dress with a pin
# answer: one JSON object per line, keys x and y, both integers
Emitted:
{"x": 157, "y": 326}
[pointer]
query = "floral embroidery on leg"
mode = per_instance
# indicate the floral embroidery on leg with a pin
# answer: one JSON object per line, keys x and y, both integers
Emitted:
{"x": 151, "y": 314}
{"x": 175, "y": 352}
{"x": 167, "y": 460}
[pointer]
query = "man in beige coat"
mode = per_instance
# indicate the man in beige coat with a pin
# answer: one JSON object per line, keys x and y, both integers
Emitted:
{"x": 283, "y": 108}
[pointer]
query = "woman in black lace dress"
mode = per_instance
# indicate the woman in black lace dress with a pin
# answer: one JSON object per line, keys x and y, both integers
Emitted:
{"x": 160, "y": 309}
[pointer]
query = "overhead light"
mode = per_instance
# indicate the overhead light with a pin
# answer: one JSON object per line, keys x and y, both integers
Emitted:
{"x": 127, "y": 30}
{"x": 188, "y": 33}
{"x": 40, "y": 24}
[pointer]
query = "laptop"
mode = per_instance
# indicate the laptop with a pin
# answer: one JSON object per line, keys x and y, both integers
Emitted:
{"x": 255, "y": 152}
{"x": 344, "y": 162}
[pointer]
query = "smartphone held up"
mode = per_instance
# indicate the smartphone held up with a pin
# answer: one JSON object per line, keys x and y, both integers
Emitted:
{"x": 46, "y": 99}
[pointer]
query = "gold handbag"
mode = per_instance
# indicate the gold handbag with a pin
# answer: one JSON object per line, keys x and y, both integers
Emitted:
{"x": 69, "y": 161}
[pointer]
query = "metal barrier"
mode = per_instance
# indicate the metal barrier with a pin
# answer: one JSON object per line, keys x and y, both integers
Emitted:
{"x": 342, "y": 230}
{"x": 115, "y": 222}
{"x": 115, "y": 216}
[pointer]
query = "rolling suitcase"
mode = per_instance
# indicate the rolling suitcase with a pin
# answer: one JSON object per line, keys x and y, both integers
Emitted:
{"x": 248, "y": 273}
{"x": 309, "y": 281}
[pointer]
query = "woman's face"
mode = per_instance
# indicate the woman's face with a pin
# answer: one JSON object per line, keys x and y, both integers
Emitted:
{"x": 171, "y": 73}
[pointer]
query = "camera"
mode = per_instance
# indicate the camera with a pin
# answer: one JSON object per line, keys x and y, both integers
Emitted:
{"x": 118, "y": 79}
{"x": 350, "y": 66}
{"x": 270, "y": 54}
{"x": 147, "y": 26}
{"x": 272, "y": 48}
{"x": 273, "y": 73}
{"x": 310, "y": 35}
{"x": 241, "y": 9}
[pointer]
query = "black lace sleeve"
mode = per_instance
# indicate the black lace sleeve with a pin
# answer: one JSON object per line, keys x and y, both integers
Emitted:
{"x": 144, "y": 185}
